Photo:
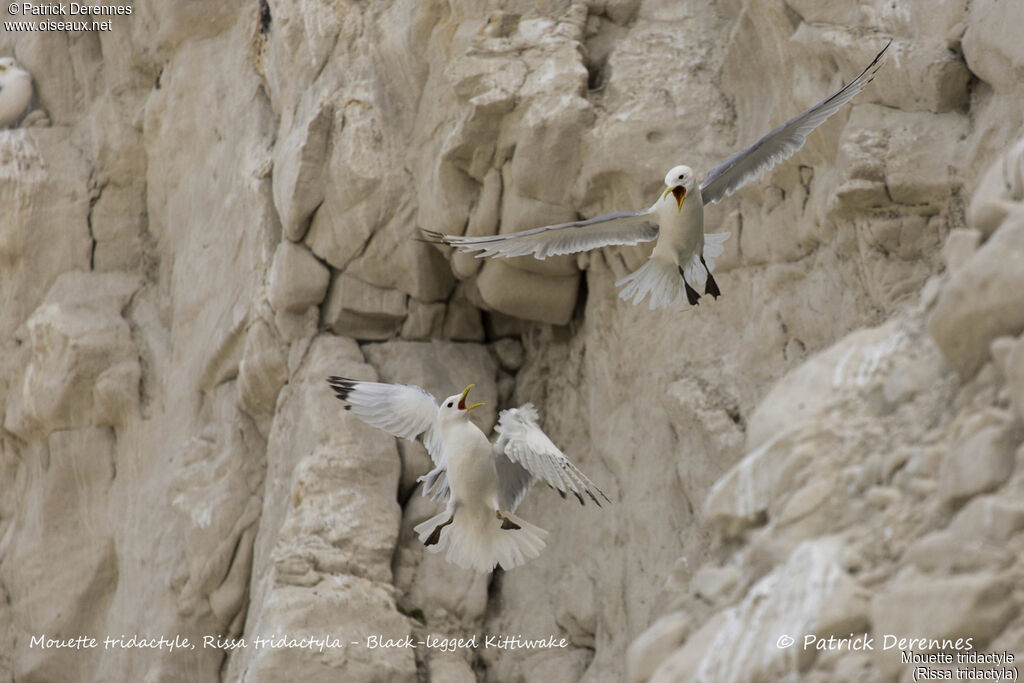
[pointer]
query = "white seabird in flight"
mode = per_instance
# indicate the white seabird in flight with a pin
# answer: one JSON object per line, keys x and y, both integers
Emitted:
{"x": 683, "y": 256}
{"x": 15, "y": 92}
{"x": 484, "y": 482}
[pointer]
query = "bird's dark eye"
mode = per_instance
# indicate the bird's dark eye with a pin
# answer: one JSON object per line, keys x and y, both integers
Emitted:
{"x": 449, "y": 404}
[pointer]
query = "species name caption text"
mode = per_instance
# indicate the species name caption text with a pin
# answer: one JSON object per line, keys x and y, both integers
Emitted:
{"x": 81, "y": 17}
{"x": 933, "y": 659}
{"x": 318, "y": 643}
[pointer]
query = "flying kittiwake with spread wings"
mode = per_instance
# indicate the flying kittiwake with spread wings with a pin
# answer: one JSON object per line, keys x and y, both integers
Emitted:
{"x": 483, "y": 482}
{"x": 683, "y": 256}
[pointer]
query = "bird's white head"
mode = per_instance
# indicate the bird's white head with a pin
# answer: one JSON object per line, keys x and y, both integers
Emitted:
{"x": 679, "y": 182}
{"x": 454, "y": 407}
{"x": 9, "y": 68}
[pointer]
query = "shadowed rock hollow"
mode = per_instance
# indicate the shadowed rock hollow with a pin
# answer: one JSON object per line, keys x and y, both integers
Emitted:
{"x": 220, "y": 214}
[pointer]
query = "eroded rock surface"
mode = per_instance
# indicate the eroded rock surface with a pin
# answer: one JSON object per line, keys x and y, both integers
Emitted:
{"x": 221, "y": 212}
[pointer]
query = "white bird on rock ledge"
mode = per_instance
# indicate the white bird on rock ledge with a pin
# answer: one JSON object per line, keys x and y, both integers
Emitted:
{"x": 15, "y": 92}
{"x": 684, "y": 256}
{"x": 484, "y": 482}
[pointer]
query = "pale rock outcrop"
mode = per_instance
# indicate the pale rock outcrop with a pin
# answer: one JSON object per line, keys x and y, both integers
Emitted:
{"x": 1000, "y": 191}
{"x": 45, "y": 227}
{"x": 983, "y": 299}
{"x": 833, "y": 446}
{"x": 981, "y": 460}
{"x": 299, "y": 184}
{"x": 322, "y": 557}
{"x": 297, "y": 279}
{"x": 84, "y": 368}
{"x": 62, "y": 543}
{"x": 989, "y": 50}
{"x": 424, "y": 320}
{"x": 262, "y": 371}
{"x": 967, "y": 606}
{"x": 362, "y": 311}
{"x": 811, "y": 593}
{"x": 655, "y": 645}
{"x": 523, "y": 294}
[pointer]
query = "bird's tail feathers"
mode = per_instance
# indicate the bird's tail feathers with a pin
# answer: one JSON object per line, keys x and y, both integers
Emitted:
{"x": 659, "y": 277}
{"x": 475, "y": 541}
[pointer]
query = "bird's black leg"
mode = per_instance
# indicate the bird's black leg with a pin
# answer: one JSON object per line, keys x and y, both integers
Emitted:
{"x": 691, "y": 294}
{"x": 506, "y": 523}
{"x": 435, "y": 535}
{"x": 712, "y": 286}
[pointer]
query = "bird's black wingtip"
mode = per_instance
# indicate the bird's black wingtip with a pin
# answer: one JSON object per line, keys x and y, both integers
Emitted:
{"x": 342, "y": 387}
{"x": 432, "y": 237}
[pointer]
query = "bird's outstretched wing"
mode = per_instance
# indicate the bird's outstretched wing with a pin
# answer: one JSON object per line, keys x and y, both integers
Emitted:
{"x": 620, "y": 228}
{"x": 403, "y": 410}
{"x": 783, "y": 142}
{"x": 524, "y": 453}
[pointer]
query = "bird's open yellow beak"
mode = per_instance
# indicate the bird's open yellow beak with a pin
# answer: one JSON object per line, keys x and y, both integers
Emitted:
{"x": 462, "y": 400}
{"x": 679, "y": 192}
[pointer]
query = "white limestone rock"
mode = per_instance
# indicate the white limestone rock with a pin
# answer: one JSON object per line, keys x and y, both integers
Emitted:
{"x": 299, "y": 181}
{"x": 84, "y": 369}
{"x": 297, "y": 279}
{"x": 655, "y": 644}
{"x": 262, "y": 372}
{"x": 66, "y": 547}
{"x": 960, "y": 246}
{"x": 462, "y": 322}
{"x": 361, "y": 311}
{"x": 811, "y": 593}
{"x": 1000, "y": 192}
{"x": 483, "y": 220}
{"x": 453, "y": 669}
{"x": 966, "y": 606}
{"x": 519, "y": 293}
{"x": 982, "y": 300}
{"x": 1014, "y": 373}
{"x": 980, "y": 460}
{"x": 329, "y": 523}
{"x": 45, "y": 228}
{"x": 989, "y": 47}
{"x": 394, "y": 259}
{"x": 424, "y": 320}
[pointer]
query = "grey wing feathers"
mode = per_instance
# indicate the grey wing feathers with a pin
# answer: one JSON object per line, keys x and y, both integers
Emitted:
{"x": 783, "y": 142}
{"x": 523, "y": 442}
{"x": 620, "y": 228}
{"x": 435, "y": 483}
{"x": 514, "y": 481}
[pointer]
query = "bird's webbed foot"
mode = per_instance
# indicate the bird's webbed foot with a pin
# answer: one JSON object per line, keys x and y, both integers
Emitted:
{"x": 435, "y": 535}
{"x": 712, "y": 286}
{"x": 691, "y": 294}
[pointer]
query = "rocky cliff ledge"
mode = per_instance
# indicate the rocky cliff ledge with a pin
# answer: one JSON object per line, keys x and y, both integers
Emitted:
{"x": 220, "y": 215}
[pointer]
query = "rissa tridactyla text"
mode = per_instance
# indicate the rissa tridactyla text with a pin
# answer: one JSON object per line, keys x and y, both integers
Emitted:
{"x": 683, "y": 256}
{"x": 484, "y": 482}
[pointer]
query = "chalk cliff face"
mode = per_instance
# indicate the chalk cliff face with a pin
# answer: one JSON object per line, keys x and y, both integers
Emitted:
{"x": 221, "y": 214}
